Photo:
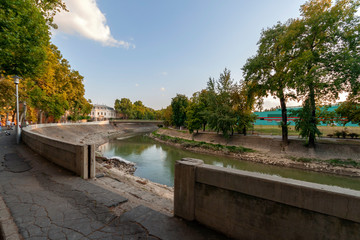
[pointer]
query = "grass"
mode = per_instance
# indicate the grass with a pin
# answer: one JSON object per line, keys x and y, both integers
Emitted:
{"x": 334, "y": 162}
{"x": 205, "y": 145}
{"x": 276, "y": 130}
{"x": 273, "y": 130}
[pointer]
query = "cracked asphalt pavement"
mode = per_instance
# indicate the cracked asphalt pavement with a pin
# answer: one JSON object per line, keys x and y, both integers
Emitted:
{"x": 48, "y": 202}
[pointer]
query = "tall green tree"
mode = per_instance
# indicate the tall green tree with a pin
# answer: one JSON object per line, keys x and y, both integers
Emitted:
{"x": 57, "y": 90}
{"x": 124, "y": 106}
{"x": 220, "y": 112}
{"x": 196, "y": 112}
{"x": 179, "y": 105}
{"x": 268, "y": 70}
{"x": 243, "y": 100}
{"x": 24, "y": 36}
{"x": 327, "y": 55}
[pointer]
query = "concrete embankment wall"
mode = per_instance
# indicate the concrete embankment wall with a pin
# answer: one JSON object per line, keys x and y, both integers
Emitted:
{"x": 72, "y": 145}
{"x": 245, "y": 205}
{"x": 78, "y": 158}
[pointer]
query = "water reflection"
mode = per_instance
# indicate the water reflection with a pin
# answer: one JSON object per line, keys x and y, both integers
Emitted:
{"x": 156, "y": 162}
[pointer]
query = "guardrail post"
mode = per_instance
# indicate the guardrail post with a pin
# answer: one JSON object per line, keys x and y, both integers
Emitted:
{"x": 184, "y": 188}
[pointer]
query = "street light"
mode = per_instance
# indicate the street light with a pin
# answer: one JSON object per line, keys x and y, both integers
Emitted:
{"x": 16, "y": 81}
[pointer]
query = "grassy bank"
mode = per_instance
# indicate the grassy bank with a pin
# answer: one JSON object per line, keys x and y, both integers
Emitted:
{"x": 192, "y": 144}
{"x": 325, "y": 130}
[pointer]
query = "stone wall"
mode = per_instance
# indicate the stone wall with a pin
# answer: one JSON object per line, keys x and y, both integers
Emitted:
{"x": 247, "y": 205}
{"x": 78, "y": 158}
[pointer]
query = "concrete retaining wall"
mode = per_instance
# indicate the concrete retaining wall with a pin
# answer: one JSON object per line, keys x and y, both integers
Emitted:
{"x": 78, "y": 158}
{"x": 247, "y": 205}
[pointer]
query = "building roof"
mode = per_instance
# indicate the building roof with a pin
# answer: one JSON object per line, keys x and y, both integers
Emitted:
{"x": 102, "y": 106}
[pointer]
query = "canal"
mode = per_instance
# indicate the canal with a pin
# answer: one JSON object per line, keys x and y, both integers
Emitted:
{"x": 156, "y": 162}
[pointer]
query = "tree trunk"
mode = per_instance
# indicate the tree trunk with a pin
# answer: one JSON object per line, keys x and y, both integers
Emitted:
{"x": 40, "y": 117}
{"x": 284, "y": 126}
{"x": 313, "y": 117}
{"x": 244, "y": 131}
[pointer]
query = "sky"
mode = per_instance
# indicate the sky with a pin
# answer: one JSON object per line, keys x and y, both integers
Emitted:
{"x": 152, "y": 50}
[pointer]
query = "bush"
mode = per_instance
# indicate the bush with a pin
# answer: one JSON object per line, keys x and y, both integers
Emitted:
{"x": 344, "y": 134}
{"x": 353, "y": 135}
{"x": 337, "y": 134}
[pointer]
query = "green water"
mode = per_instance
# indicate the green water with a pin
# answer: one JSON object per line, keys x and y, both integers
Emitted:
{"x": 156, "y": 161}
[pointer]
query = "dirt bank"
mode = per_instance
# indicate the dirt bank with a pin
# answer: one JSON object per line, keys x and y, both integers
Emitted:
{"x": 270, "y": 151}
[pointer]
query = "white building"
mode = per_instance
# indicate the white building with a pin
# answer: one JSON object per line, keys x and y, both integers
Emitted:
{"x": 102, "y": 112}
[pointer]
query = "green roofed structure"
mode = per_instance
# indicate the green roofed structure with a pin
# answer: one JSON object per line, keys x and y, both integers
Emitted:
{"x": 273, "y": 118}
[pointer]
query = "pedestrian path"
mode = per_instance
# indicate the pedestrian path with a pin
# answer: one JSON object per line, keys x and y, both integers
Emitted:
{"x": 47, "y": 202}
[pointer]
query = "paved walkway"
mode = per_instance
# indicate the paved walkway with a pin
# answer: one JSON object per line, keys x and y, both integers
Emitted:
{"x": 47, "y": 202}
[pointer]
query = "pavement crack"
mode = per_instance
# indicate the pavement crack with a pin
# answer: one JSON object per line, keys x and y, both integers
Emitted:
{"x": 146, "y": 230}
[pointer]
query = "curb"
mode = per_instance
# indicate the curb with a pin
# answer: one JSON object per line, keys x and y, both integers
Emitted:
{"x": 8, "y": 228}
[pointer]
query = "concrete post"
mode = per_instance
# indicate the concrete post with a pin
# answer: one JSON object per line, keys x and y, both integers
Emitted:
{"x": 82, "y": 161}
{"x": 184, "y": 188}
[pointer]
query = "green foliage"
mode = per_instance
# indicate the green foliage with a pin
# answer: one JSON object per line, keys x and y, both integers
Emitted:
{"x": 220, "y": 114}
{"x": 179, "y": 105}
{"x": 268, "y": 71}
{"x": 353, "y": 135}
{"x": 349, "y": 111}
{"x": 326, "y": 55}
{"x": 24, "y": 36}
{"x": 196, "y": 111}
{"x": 124, "y": 106}
{"x": 334, "y": 162}
{"x": 135, "y": 110}
{"x": 304, "y": 122}
{"x": 58, "y": 89}
{"x": 49, "y": 8}
{"x": 191, "y": 144}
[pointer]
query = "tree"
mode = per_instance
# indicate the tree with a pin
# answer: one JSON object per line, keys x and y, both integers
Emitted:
{"x": 349, "y": 111}
{"x": 268, "y": 71}
{"x": 179, "y": 105}
{"x": 124, "y": 106}
{"x": 196, "y": 112}
{"x": 24, "y": 36}
{"x": 220, "y": 113}
{"x": 167, "y": 116}
{"x": 243, "y": 102}
{"x": 49, "y": 8}
{"x": 327, "y": 56}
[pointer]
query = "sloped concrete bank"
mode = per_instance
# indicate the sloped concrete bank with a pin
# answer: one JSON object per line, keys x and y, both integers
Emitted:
{"x": 137, "y": 190}
{"x": 73, "y": 146}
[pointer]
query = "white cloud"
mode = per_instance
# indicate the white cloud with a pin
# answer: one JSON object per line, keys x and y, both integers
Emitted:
{"x": 136, "y": 85}
{"x": 162, "y": 89}
{"x": 86, "y": 19}
{"x": 164, "y": 73}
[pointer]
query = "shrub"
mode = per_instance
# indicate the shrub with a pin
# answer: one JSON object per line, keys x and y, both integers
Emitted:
{"x": 337, "y": 134}
{"x": 353, "y": 135}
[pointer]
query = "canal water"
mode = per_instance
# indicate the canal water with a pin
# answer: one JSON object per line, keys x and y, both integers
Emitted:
{"x": 156, "y": 162}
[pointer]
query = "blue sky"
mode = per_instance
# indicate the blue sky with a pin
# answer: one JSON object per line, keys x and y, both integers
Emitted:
{"x": 152, "y": 50}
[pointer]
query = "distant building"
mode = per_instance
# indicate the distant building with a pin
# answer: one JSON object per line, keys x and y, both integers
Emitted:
{"x": 274, "y": 117}
{"x": 102, "y": 112}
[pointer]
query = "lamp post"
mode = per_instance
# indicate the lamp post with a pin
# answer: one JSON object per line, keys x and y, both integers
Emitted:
{"x": 16, "y": 81}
